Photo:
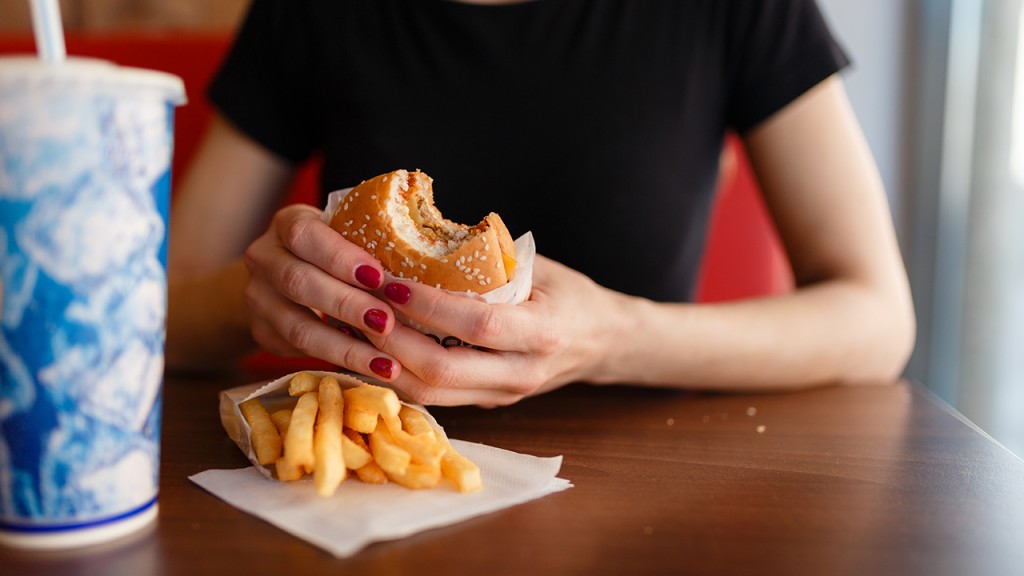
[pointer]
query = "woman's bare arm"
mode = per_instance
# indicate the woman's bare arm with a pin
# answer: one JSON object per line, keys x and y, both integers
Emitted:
{"x": 225, "y": 200}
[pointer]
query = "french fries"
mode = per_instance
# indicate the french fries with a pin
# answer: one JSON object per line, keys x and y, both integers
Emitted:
{"x": 377, "y": 400}
{"x": 386, "y": 451}
{"x": 354, "y": 449}
{"x": 281, "y": 419}
{"x": 303, "y": 382}
{"x": 372, "y": 473}
{"x": 460, "y": 471}
{"x": 364, "y": 429}
{"x": 415, "y": 423}
{"x": 298, "y": 445}
{"x": 266, "y": 441}
{"x": 327, "y": 442}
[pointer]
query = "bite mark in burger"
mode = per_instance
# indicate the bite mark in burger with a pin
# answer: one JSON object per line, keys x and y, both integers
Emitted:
{"x": 393, "y": 217}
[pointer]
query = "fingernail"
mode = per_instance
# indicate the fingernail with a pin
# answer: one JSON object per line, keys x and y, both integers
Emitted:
{"x": 376, "y": 320}
{"x": 368, "y": 276}
{"x": 381, "y": 367}
{"x": 348, "y": 331}
{"x": 397, "y": 292}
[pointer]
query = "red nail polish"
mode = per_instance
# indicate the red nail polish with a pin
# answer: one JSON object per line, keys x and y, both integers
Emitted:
{"x": 376, "y": 320}
{"x": 368, "y": 276}
{"x": 381, "y": 367}
{"x": 397, "y": 292}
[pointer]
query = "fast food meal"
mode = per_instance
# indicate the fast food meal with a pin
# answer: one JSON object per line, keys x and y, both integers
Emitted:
{"x": 329, "y": 430}
{"x": 393, "y": 217}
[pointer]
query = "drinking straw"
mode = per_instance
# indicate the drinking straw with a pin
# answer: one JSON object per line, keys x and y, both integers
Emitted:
{"x": 48, "y": 30}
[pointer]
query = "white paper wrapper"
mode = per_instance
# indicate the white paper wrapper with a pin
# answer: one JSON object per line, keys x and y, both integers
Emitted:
{"x": 515, "y": 292}
{"x": 358, "y": 513}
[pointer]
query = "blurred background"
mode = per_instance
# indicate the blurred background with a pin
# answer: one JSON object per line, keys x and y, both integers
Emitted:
{"x": 112, "y": 15}
{"x": 939, "y": 88}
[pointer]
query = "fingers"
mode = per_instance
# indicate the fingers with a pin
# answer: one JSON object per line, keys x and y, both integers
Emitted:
{"x": 287, "y": 260}
{"x": 415, "y": 389}
{"x": 505, "y": 327}
{"x": 289, "y": 329}
{"x": 299, "y": 269}
{"x": 312, "y": 287}
{"x": 557, "y": 336}
{"x": 315, "y": 242}
{"x": 302, "y": 271}
{"x": 435, "y": 375}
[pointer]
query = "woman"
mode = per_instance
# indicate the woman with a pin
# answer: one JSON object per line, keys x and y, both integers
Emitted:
{"x": 596, "y": 125}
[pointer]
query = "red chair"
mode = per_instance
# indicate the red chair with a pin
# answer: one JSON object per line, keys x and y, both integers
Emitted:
{"x": 743, "y": 257}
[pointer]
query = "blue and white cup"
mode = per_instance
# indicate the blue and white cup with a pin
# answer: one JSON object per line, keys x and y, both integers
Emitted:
{"x": 85, "y": 156}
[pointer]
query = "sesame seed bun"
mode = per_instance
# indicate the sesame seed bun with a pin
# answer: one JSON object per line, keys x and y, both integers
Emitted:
{"x": 394, "y": 218}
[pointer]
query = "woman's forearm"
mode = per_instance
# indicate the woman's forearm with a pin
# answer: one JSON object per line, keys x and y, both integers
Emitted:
{"x": 227, "y": 196}
{"x": 207, "y": 323}
{"x": 832, "y": 332}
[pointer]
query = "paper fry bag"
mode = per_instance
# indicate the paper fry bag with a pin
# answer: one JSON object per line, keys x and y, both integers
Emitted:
{"x": 275, "y": 395}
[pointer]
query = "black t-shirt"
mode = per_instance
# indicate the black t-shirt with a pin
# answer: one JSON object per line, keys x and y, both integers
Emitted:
{"x": 596, "y": 124}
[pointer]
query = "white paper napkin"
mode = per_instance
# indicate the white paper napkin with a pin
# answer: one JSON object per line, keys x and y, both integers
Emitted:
{"x": 358, "y": 513}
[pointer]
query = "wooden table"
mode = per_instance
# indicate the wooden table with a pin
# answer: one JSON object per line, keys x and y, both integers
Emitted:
{"x": 832, "y": 481}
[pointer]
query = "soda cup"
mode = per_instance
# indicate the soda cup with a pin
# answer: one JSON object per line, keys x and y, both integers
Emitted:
{"x": 85, "y": 152}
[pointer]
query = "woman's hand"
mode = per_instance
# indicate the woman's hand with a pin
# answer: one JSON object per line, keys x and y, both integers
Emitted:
{"x": 301, "y": 273}
{"x": 562, "y": 334}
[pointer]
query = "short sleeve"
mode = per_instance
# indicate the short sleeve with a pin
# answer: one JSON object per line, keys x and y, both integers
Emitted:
{"x": 266, "y": 84}
{"x": 780, "y": 49}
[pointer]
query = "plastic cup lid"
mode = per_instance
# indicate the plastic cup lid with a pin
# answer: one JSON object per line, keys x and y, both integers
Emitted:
{"x": 98, "y": 73}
